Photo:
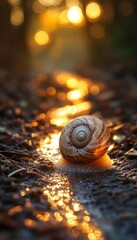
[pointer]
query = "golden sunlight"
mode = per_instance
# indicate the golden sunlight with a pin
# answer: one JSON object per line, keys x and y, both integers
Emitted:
{"x": 14, "y": 210}
{"x": 49, "y": 19}
{"x": 37, "y": 7}
{"x": 17, "y": 16}
{"x": 41, "y": 37}
{"x": 14, "y": 2}
{"x": 50, "y": 2}
{"x": 93, "y": 10}
{"x": 67, "y": 209}
{"x": 111, "y": 147}
{"x": 76, "y": 94}
{"x": 63, "y": 17}
{"x": 61, "y": 116}
{"x": 72, "y": 82}
{"x": 75, "y": 15}
{"x": 49, "y": 146}
{"x": 94, "y": 90}
{"x": 71, "y": 3}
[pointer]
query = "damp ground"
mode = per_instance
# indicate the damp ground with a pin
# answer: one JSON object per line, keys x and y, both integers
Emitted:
{"x": 37, "y": 201}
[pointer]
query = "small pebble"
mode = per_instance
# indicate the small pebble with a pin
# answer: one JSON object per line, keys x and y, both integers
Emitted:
{"x": 132, "y": 152}
{"x": 119, "y": 138}
{"x": 2, "y": 129}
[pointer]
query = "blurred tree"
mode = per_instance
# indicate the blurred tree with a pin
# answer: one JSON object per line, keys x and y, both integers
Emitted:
{"x": 13, "y": 43}
{"x": 119, "y": 42}
{"x": 110, "y": 37}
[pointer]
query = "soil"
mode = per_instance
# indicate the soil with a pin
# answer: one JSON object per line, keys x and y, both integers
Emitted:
{"x": 37, "y": 201}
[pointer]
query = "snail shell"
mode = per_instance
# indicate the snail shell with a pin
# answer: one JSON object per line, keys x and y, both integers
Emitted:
{"x": 83, "y": 144}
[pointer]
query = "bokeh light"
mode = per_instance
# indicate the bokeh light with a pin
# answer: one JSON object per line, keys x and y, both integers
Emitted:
{"x": 71, "y": 3}
{"x": 51, "y": 91}
{"x": 41, "y": 37}
{"x": 75, "y": 15}
{"x": 17, "y": 16}
{"x": 50, "y": 143}
{"x": 72, "y": 82}
{"x": 108, "y": 12}
{"x": 63, "y": 17}
{"x": 125, "y": 8}
{"x": 14, "y": 2}
{"x": 37, "y": 7}
{"x": 50, "y": 2}
{"x": 49, "y": 19}
{"x": 97, "y": 31}
{"x": 66, "y": 209}
{"x": 75, "y": 94}
{"x": 93, "y": 10}
{"x": 94, "y": 90}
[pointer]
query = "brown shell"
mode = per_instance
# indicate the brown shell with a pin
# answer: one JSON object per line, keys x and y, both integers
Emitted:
{"x": 84, "y": 139}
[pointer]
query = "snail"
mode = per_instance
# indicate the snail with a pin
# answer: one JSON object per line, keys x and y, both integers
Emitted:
{"x": 83, "y": 144}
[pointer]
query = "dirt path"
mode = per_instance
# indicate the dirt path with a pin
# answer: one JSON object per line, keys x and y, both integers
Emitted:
{"x": 37, "y": 201}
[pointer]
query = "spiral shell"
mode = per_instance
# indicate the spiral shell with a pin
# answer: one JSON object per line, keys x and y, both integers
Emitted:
{"x": 84, "y": 140}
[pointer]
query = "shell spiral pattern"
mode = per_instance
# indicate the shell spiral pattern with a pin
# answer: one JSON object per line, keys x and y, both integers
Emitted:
{"x": 84, "y": 139}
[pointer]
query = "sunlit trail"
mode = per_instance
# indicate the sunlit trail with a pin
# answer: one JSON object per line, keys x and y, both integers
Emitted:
{"x": 49, "y": 147}
{"x": 67, "y": 210}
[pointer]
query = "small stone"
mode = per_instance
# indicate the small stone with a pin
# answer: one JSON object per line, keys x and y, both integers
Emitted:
{"x": 23, "y": 104}
{"x": 132, "y": 152}
{"x": 2, "y": 129}
{"x": 119, "y": 138}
